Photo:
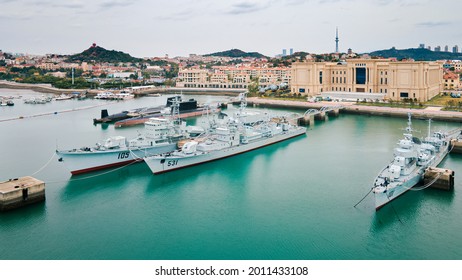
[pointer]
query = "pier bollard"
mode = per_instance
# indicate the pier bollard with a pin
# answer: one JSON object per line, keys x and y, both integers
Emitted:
{"x": 445, "y": 179}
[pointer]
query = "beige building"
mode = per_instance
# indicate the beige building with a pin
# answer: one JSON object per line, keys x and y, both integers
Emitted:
{"x": 451, "y": 81}
{"x": 232, "y": 77}
{"x": 396, "y": 80}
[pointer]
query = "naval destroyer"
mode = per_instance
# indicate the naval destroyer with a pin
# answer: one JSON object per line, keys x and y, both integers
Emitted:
{"x": 412, "y": 157}
{"x": 230, "y": 138}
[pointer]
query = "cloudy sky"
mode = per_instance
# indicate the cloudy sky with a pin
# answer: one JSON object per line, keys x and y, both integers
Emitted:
{"x": 180, "y": 27}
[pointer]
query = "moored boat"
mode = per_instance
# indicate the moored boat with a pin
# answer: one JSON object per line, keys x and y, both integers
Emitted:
{"x": 188, "y": 108}
{"x": 64, "y": 97}
{"x": 107, "y": 95}
{"x": 411, "y": 158}
{"x": 230, "y": 138}
{"x": 160, "y": 135}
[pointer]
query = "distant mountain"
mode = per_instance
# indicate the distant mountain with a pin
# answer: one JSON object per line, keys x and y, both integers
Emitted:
{"x": 99, "y": 54}
{"x": 237, "y": 53}
{"x": 417, "y": 54}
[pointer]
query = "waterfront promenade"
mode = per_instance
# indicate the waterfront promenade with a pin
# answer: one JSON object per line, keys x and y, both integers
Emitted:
{"x": 431, "y": 112}
{"x": 351, "y": 107}
{"x": 47, "y": 88}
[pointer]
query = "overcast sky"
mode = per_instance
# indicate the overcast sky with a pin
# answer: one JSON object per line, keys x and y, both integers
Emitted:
{"x": 146, "y": 28}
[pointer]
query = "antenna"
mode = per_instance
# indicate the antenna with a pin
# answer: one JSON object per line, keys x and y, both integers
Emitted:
{"x": 336, "y": 40}
{"x": 429, "y": 127}
{"x": 409, "y": 123}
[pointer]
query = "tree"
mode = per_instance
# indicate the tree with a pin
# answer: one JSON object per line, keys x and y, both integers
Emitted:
{"x": 253, "y": 87}
{"x": 450, "y": 104}
{"x": 169, "y": 82}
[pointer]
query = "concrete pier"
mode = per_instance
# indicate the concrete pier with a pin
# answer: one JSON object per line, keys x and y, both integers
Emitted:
{"x": 456, "y": 146}
{"x": 306, "y": 120}
{"x": 353, "y": 108}
{"x": 321, "y": 116}
{"x": 19, "y": 192}
{"x": 334, "y": 112}
{"x": 445, "y": 179}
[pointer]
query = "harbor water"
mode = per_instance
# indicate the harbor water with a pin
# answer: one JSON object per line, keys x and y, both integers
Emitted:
{"x": 291, "y": 200}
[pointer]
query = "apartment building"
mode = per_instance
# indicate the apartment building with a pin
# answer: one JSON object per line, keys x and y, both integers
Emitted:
{"x": 451, "y": 81}
{"x": 232, "y": 77}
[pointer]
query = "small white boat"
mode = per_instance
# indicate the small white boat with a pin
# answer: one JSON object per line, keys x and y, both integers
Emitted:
{"x": 104, "y": 95}
{"x": 64, "y": 97}
{"x": 123, "y": 96}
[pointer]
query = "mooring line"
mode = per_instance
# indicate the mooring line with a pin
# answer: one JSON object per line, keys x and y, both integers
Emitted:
{"x": 363, "y": 198}
{"x": 52, "y": 113}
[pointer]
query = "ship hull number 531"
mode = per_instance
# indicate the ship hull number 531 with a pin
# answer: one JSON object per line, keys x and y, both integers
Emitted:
{"x": 172, "y": 162}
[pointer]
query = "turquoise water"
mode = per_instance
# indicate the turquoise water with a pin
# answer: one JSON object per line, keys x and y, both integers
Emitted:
{"x": 292, "y": 200}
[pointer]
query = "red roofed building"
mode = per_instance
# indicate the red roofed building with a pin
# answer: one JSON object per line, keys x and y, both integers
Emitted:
{"x": 451, "y": 80}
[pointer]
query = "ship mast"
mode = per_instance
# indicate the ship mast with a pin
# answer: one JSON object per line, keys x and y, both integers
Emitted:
{"x": 176, "y": 110}
{"x": 243, "y": 105}
{"x": 429, "y": 127}
{"x": 409, "y": 127}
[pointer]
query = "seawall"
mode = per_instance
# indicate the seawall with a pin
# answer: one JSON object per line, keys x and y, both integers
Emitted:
{"x": 351, "y": 108}
{"x": 45, "y": 88}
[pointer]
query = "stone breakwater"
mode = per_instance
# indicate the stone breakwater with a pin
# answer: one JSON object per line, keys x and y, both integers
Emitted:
{"x": 434, "y": 113}
{"x": 45, "y": 88}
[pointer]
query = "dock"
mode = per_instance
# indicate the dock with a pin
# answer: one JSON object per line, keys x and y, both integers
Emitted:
{"x": 456, "y": 146}
{"x": 356, "y": 109}
{"x": 20, "y": 192}
{"x": 439, "y": 178}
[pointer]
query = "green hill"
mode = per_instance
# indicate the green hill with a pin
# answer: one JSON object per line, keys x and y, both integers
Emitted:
{"x": 417, "y": 54}
{"x": 99, "y": 54}
{"x": 237, "y": 53}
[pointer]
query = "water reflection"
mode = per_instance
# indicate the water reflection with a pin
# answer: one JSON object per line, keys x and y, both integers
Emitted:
{"x": 100, "y": 181}
{"x": 33, "y": 212}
